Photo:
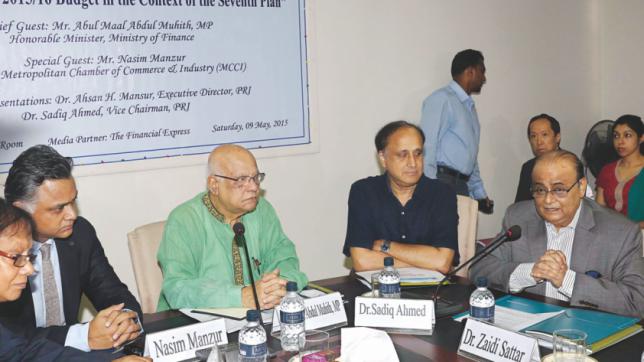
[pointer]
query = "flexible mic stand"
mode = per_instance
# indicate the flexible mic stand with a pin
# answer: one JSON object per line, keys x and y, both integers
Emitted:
{"x": 511, "y": 234}
{"x": 239, "y": 230}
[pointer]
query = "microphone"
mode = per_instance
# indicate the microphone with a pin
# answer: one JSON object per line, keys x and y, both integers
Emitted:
{"x": 240, "y": 239}
{"x": 513, "y": 233}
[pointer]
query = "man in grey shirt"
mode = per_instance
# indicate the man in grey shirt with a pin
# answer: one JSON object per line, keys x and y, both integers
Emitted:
{"x": 571, "y": 248}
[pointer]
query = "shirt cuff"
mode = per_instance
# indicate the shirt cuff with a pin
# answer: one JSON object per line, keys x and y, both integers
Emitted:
{"x": 568, "y": 283}
{"x": 520, "y": 278}
{"x": 77, "y": 337}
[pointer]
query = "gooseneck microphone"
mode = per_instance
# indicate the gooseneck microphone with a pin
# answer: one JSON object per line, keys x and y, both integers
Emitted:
{"x": 513, "y": 233}
{"x": 240, "y": 239}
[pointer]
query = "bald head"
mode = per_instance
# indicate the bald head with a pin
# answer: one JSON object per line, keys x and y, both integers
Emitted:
{"x": 566, "y": 157}
{"x": 231, "y": 195}
{"x": 226, "y": 158}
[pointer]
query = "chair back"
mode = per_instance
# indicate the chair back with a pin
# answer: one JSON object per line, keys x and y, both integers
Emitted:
{"x": 468, "y": 212}
{"x": 143, "y": 243}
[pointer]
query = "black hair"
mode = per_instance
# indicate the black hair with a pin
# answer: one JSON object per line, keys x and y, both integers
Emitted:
{"x": 634, "y": 123}
{"x": 465, "y": 59}
{"x": 12, "y": 217}
{"x": 382, "y": 137}
{"x": 554, "y": 124}
{"x": 33, "y": 167}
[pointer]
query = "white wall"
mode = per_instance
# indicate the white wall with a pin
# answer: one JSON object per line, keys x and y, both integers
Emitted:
{"x": 372, "y": 62}
{"x": 622, "y": 58}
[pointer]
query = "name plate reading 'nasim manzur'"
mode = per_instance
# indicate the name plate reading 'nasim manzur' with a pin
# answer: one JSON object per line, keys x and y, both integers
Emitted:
{"x": 181, "y": 343}
{"x": 395, "y": 313}
{"x": 497, "y": 344}
{"x": 319, "y": 312}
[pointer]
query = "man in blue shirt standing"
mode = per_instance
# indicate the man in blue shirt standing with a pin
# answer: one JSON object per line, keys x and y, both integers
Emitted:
{"x": 402, "y": 213}
{"x": 452, "y": 127}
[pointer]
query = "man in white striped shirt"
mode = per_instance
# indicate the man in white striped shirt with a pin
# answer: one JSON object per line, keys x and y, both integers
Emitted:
{"x": 571, "y": 248}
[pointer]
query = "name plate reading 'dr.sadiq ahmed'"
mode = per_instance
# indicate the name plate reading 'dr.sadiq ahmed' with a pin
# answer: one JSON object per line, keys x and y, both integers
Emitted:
{"x": 412, "y": 314}
{"x": 497, "y": 344}
{"x": 181, "y": 343}
{"x": 319, "y": 312}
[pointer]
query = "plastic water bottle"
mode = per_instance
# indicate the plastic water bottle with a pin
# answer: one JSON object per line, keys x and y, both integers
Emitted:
{"x": 252, "y": 340}
{"x": 291, "y": 319}
{"x": 389, "y": 280}
{"x": 482, "y": 302}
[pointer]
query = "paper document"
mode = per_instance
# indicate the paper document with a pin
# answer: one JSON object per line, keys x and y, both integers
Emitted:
{"x": 408, "y": 276}
{"x": 232, "y": 325}
{"x": 515, "y": 320}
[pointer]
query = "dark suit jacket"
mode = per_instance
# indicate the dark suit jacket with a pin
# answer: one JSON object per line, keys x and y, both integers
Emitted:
{"x": 84, "y": 269}
{"x": 525, "y": 181}
{"x": 605, "y": 242}
{"x": 14, "y": 349}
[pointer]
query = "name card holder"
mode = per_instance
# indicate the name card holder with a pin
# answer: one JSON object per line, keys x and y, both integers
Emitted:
{"x": 402, "y": 316}
{"x": 324, "y": 312}
{"x": 182, "y": 343}
{"x": 483, "y": 341}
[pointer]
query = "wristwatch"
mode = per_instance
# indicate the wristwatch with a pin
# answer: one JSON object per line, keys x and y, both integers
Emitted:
{"x": 384, "y": 247}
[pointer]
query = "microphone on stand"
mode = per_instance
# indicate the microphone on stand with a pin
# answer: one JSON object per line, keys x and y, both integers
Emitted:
{"x": 513, "y": 233}
{"x": 239, "y": 230}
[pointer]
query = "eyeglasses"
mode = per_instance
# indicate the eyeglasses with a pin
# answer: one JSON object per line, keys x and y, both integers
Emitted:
{"x": 245, "y": 180}
{"x": 19, "y": 260}
{"x": 560, "y": 192}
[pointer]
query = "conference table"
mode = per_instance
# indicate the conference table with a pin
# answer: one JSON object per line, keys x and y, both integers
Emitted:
{"x": 441, "y": 346}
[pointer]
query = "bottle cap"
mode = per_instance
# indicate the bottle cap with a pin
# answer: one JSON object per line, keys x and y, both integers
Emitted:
{"x": 481, "y": 282}
{"x": 389, "y": 261}
{"x": 291, "y": 286}
{"x": 252, "y": 315}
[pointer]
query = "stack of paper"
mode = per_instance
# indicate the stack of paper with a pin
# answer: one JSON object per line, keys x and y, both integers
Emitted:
{"x": 408, "y": 277}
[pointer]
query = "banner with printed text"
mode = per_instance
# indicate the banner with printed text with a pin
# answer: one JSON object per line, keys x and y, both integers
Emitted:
{"x": 115, "y": 80}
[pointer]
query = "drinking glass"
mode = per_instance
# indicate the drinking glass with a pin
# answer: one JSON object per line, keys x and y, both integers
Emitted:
{"x": 375, "y": 285}
{"x": 569, "y": 345}
{"x": 314, "y": 346}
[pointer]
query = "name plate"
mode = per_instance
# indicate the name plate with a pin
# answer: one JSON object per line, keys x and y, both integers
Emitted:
{"x": 497, "y": 344}
{"x": 395, "y": 313}
{"x": 319, "y": 312}
{"x": 182, "y": 343}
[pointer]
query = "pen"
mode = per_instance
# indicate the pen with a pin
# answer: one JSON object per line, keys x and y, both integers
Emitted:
{"x": 257, "y": 264}
{"x": 320, "y": 288}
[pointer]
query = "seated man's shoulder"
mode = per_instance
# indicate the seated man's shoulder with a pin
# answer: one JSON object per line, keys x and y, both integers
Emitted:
{"x": 609, "y": 219}
{"x": 370, "y": 184}
{"x": 188, "y": 209}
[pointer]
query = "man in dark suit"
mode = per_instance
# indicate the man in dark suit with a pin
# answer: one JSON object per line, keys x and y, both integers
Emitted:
{"x": 570, "y": 248}
{"x": 16, "y": 233}
{"x": 70, "y": 262}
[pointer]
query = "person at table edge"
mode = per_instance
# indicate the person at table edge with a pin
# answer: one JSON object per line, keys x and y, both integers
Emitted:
{"x": 570, "y": 248}
{"x": 401, "y": 213}
{"x": 202, "y": 264}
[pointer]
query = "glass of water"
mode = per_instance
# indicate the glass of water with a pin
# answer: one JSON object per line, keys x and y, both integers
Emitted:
{"x": 569, "y": 345}
{"x": 375, "y": 285}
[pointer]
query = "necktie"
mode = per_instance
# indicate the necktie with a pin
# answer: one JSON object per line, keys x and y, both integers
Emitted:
{"x": 52, "y": 300}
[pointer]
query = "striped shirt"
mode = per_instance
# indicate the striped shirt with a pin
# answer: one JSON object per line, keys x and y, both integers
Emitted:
{"x": 557, "y": 240}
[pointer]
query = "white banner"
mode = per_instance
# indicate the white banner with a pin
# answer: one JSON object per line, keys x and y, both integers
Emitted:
{"x": 117, "y": 80}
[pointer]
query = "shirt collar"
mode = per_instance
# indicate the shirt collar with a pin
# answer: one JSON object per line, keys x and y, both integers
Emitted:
{"x": 460, "y": 93}
{"x": 35, "y": 246}
{"x": 573, "y": 224}
{"x": 212, "y": 209}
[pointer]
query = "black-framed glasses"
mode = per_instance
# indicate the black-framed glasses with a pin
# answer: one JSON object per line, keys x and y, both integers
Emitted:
{"x": 245, "y": 180}
{"x": 19, "y": 260}
{"x": 560, "y": 192}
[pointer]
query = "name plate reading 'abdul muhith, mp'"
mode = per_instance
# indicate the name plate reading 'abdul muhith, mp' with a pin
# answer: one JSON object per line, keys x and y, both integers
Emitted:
{"x": 404, "y": 314}
{"x": 320, "y": 312}
{"x": 497, "y": 344}
{"x": 181, "y": 343}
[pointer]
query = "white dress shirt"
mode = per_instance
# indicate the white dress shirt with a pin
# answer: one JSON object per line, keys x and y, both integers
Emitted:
{"x": 557, "y": 240}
